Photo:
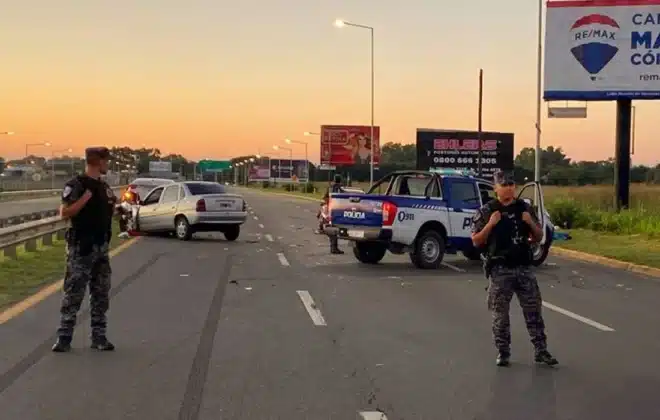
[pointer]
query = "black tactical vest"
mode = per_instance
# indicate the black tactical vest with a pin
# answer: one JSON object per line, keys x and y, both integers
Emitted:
{"x": 93, "y": 224}
{"x": 508, "y": 243}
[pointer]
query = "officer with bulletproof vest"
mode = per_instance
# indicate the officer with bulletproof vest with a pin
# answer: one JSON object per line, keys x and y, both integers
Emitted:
{"x": 334, "y": 188}
{"x": 502, "y": 229}
{"x": 88, "y": 202}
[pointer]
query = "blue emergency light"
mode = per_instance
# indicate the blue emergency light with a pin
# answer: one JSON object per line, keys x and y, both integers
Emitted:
{"x": 451, "y": 171}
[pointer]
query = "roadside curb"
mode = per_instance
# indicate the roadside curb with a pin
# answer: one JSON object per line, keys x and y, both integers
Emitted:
{"x": 609, "y": 262}
{"x": 23, "y": 305}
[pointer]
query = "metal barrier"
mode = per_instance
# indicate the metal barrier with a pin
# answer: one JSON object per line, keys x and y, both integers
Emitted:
{"x": 29, "y": 234}
{"x": 16, "y": 220}
{"x": 13, "y": 195}
{"x": 28, "y": 217}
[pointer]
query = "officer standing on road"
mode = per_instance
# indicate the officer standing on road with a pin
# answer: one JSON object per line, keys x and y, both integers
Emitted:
{"x": 89, "y": 203}
{"x": 503, "y": 228}
{"x": 334, "y": 188}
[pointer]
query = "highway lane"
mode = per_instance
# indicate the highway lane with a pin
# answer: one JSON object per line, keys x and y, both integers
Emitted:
{"x": 33, "y": 205}
{"x": 273, "y": 327}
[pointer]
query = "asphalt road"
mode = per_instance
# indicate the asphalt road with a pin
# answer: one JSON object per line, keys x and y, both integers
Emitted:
{"x": 33, "y": 205}
{"x": 273, "y": 327}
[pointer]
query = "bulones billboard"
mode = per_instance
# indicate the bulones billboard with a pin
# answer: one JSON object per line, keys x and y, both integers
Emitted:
{"x": 345, "y": 145}
{"x": 602, "y": 50}
{"x": 457, "y": 149}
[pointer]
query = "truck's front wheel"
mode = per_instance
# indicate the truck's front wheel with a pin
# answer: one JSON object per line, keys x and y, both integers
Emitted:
{"x": 429, "y": 250}
{"x": 369, "y": 252}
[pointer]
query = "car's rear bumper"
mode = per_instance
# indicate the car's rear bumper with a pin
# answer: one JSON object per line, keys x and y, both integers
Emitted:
{"x": 359, "y": 233}
{"x": 218, "y": 218}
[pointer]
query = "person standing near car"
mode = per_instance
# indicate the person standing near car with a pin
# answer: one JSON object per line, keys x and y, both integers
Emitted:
{"x": 88, "y": 202}
{"x": 334, "y": 188}
{"x": 503, "y": 228}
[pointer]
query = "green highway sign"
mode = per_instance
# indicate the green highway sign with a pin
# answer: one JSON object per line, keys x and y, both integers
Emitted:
{"x": 214, "y": 165}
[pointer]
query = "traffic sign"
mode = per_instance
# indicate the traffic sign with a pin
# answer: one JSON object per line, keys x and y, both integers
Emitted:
{"x": 214, "y": 165}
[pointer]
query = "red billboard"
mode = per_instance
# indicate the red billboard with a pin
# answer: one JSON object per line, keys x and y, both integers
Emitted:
{"x": 349, "y": 145}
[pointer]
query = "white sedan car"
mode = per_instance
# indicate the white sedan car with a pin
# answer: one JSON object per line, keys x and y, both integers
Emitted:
{"x": 184, "y": 208}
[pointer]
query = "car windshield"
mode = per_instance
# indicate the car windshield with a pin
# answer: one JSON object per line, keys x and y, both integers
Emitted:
{"x": 202, "y": 189}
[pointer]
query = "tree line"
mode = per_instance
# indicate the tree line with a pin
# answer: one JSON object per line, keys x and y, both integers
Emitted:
{"x": 557, "y": 167}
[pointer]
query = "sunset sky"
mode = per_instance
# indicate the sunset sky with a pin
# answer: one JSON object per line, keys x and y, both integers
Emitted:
{"x": 215, "y": 79}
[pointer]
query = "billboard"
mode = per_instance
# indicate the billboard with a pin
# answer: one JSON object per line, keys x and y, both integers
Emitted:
{"x": 349, "y": 145}
{"x": 460, "y": 150}
{"x": 280, "y": 169}
{"x": 160, "y": 166}
{"x": 602, "y": 50}
{"x": 259, "y": 172}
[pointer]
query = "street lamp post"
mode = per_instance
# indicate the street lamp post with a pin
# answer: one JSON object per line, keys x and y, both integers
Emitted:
{"x": 289, "y": 141}
{"x": 27, "y": 147}
{"x": 539, "y": 58}
{"x": 52, "y": 165}
{"x": 341, "y": 23}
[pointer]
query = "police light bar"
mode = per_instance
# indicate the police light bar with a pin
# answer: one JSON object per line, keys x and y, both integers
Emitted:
{"x": 455, "y": 172}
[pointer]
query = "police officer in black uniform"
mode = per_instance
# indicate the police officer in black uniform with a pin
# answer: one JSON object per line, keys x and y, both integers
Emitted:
{"x": 89, "y": 204}
{"x": 334, "y": 188}
{"x": 502, "y": 228}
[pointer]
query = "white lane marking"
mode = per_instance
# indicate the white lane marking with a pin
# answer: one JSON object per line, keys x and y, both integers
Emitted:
{"x": 261, "y": 225}
{"x": 283, "y": 259}
{"x": 255, "y": 218}
{"x": 577, "y": 317}
{"x": 270, "y": 237}
{"x": 373, "y": 415}
{"x": 310, "y": 306}
{"x": 453, "y": 267}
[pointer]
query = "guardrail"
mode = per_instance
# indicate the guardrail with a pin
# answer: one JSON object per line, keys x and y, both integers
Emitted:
{"x": 16, "y": 220}
{"x": 28, "y": 217}
{"x": 29, "y": 234}
{"x": 13, "y": 195}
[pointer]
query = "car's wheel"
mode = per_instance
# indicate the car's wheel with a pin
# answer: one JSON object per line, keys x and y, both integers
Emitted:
{"x": 369, "y": 252}
{"x": 182, "y": 228}
{"x": 429, "y": 250}
{"x": 540, "y": 252}
{"x": 232, "y": 232}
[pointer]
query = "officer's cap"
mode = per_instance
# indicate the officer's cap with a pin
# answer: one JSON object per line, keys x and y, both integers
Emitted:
{"x": 503, "y": 178}
{"x": 97, "y": 153}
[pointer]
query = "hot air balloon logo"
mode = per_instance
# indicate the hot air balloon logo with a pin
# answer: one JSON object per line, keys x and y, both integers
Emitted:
{"x": 594, "y": 42}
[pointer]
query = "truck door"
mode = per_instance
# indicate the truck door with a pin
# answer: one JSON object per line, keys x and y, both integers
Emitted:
{"x": 464, "y": 201}
{"x": 532, "y": 193}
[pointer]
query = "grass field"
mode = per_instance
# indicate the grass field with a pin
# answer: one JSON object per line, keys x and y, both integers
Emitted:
{"x": 631, "y": 235}
{"x": 31, "y": 271}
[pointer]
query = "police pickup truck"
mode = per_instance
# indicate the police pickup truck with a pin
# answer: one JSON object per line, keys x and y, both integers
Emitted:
{"x": 425, "y": 213}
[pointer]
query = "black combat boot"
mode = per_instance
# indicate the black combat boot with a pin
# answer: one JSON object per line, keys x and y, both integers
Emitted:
{"x": 62, "y": 345}
{"x": 101, "y": 343}
{"x": 544, "y": 357}
{"x": 503, "y": 358}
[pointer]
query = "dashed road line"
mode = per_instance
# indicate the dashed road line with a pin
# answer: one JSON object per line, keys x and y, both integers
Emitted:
{"x": 312, "y": 310}
{"x": 453, "y": 267}
{"x": 577, "y": 317}
{"x": 283, "y": 259}
{"x": 255, "y": 218}
{"x": 261, "y": 225}
{"x": 373, "y": 415}
{"x": 269, "y": 237}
